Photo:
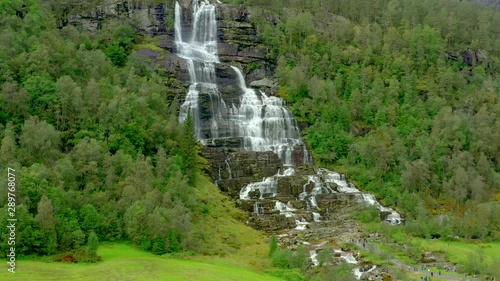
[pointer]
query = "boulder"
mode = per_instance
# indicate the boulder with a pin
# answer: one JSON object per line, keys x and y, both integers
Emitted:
{"x": 428, "y": 257}
{"x": 263, "y": 83}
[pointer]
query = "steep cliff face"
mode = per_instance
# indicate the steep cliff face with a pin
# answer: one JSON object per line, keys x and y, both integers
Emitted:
{"x": 149, "y": 18}
{"x": 232, "y": 167}
{"x": 238, "y": 44}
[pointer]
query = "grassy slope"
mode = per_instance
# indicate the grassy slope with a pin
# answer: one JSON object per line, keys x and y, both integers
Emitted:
{"x": 122, "y": 262}
{"x": 234, "y": 252}
{"x": 226, "y": 235}
{"x": 458, "y": 251}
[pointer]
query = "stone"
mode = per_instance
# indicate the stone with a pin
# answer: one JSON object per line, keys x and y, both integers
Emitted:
{"x": 474, "y": 57}
{"x": 166, "y": 42}
{"x": 291, "y": 186}
{"x": 232, "y": 142}
{"x": 256, "y": 74}
{"x": 148, "y": 18}
{"x": 257, "y": 52}
{"x": 271, "y": 222}
{"x": 226, "y": 49}
{"x": 234, "y": 168}
{"x": 267, "y": 83}
{"x": 232, "y": 12}
{"x": 177, "y": 66}
{"x": 428, "y": 257}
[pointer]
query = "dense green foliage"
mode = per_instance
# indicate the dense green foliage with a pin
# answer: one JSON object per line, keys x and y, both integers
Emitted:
{"x": 402, "y": 96}
{"x": 93, "y": 136}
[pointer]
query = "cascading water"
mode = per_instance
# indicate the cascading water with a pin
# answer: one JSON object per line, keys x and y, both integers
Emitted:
{"x": 263, "y": 122}
{"x": 316, "y": 217}
{"x": 284, "y": 209}
{"x": 267, "y": 188}
{"x": 368, "y": 199}
{"x": 200, "y": 52}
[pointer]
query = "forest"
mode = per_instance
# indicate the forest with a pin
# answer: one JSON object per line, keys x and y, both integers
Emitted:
{"x": 92, "y": 134}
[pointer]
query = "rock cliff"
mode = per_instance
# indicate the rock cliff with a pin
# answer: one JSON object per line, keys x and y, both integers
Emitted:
{"x": 149, "y": 17}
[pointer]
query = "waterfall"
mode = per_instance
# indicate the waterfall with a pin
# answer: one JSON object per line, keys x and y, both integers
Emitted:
{"x": 201, "y": 56}
{"x": 314, "y": 257}
{"x": 316, "y": 217}
{"x": 263, "y": 122}
{"x": 284, "y": 209}
{"x": 257, "y": 209}
{"x": 368, "y": 199}
{"x": 177, "y": 23}
{"x": 268, "y": 188}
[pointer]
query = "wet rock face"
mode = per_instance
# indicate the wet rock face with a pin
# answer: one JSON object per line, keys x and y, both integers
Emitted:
{"x": 334, "y": 202}
{"x": 292, "y": 186}
{"x": 271, "y": 222}
{"x": 238, "y": 44}
{"x": 232, "y": 167}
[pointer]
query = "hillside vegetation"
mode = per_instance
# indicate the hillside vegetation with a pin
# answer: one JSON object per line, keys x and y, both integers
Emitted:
{"x": 93, "y": 137}
{"x": 402, "y": 96}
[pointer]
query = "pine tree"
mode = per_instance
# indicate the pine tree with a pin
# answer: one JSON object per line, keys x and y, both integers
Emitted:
{"x": 189, "y": 149}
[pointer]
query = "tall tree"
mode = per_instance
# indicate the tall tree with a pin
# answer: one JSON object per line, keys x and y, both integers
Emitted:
{"x": 92, "y": 245}
{"x": 45, "y": 219}
{"x": 39, "y": 142}
{"x": 189, "y": 149}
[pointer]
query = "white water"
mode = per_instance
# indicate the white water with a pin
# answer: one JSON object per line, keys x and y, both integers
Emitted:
{"x": 263, "y": 122}
{"x": 257, "y": 209}
{"x": 349, "y": 258}
{"x": 301, "y": 225}
{"x": 287, "y": 172}
{"x": 200, "y": 53}
{"x": 368, "y": 199}
{"x": 229, "y": 167}
{"x": 340, "y": 180}
{"x": 358, "y": 273}
{"x": 284, "y": 209}
{"x": 314, "y": 257}
{"x": 316, "y": 217}
{"x": 267, "y": 187}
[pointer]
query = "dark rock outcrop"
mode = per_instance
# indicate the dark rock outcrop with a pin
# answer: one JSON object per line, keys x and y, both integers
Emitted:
{"x": 232, "y": 167}
{"x": 149, "y": 19}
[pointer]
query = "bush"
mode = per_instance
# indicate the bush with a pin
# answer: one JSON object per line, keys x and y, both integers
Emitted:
{"x": 281, "y": 258}
{"x": 286, "y": 274}
{"x": 368, "y": 214}
{"x": 288, "y": 259}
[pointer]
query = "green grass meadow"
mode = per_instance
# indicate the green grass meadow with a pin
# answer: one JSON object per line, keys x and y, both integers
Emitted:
{"x": 458, "y": 251}
{"x": 121, "y": 262}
